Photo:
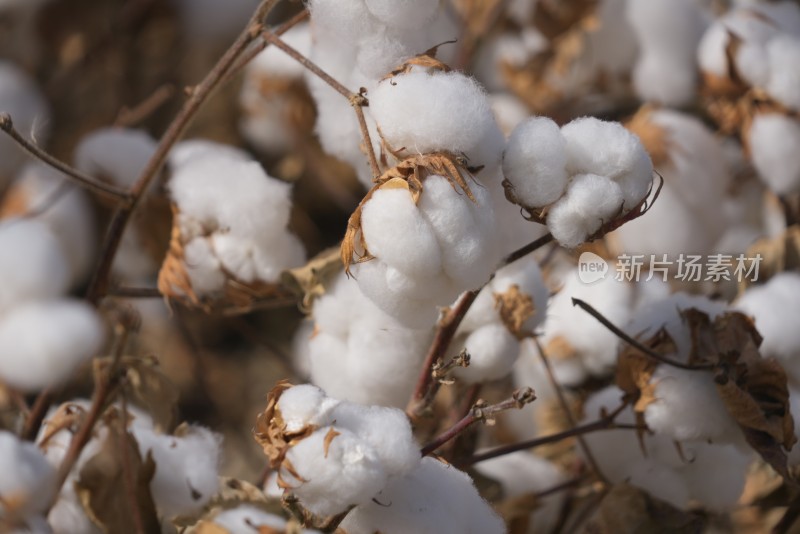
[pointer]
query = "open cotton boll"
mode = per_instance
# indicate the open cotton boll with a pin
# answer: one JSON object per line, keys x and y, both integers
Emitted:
{"x": 37, "y": 268}
{"x": 189, "y": 151}
{"x": 67, "y": 212}
{"x": 591, "y": 201}
{"x": 773, "y": 140}
{"x": 305, "y": 405}
{"x": 493, "y": 351}
{"x": 658, "y": 77}
{"x": 405, "y": 14}
{"x": 28, "y": 480}
{"x": 776, "y": 312}
{"x": 43, "y": 343}
{"x": 186, "y": 468}
{"x": 716, "y": 474}
{"x": 117, "y": 154}
{"x": 434, "y": 498}
{"x": 535, "y": 161}
{"x": 345, "y": 20}
{"x": 335, "y": 473}
{"x": 425, "y": 112}
{"x": 784, "y": 66}
{"x": 22, "y": 100}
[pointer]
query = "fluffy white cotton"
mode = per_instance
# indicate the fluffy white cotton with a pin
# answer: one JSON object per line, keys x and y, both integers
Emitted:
{"x": 345, "y": 20}
{"x": 44, "y": 343}
{"x": 590, "y": 202}
{"x": 34, "y": 265}
{"x": 774, "y": 140}
{"x": 116, "y": 154}
{"x": 247, "y": 519}
{"x": 784, "y": 79}
{"x": 509, "y": 111}
{"x": 305, "y": 405}
{"x": 274, "y": 62}
{"x": 493, "y": 351}
{"x": 22, "y": 100}
{"x": 66, "y": 210}
{"x": 425, "y": 112}
{"x": 28, "y": 480}
{"x": 405, "y": 14}
{"x": 434, "y": 498}
{"x": 776, "y": 312}
{"x": 186, "y": 468}
{"x": 191, "y": 150}
{"x": 535, "y": 161}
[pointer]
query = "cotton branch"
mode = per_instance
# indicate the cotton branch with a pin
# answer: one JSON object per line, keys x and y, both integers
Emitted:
{"x": 481, "y": 412}
{"x": 99, "y": 284}
{"x": 634, "y": 343}
{"x": 111, "y": 192}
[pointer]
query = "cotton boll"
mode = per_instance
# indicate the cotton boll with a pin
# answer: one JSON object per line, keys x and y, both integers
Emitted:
{"x": 34, "y": 265}
{"x": 22, "y": 100}
{"x": 406, "y": 14}
{"x": 189, "y": 151}
{"x": 657, "y": 77}
{"x": 386, "y": 430}
{"x": 590, "y": 202}
{"x": 117, "y": 154}
{"x": 427, "y": 112}
{"x": 28, "y": 480}
{"x": 784, "y": 61}
{"x": 203, "y": 267}
{"x": 774, "y": 140}
{"x": 186, "y": 468}
{"x": 435, "y": 498}
{"x": 304, "y": 405}
{"x": 396, "y": 232}
{"x": 436, "y": 288}
{"x": 716, "y": 474}
{"x": 343, "y": 304}
{"x": 42, "y": 344}
{"x": 350, "y": 468}
{"x": 493, "y": 351}
{"x": 776, "y": 311}
{"x": 346, "y": 20}
{"x": 534, "y": 162}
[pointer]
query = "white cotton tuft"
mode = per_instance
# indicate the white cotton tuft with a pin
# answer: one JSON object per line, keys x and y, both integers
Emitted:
{"x": 246, "y": 519}
{"x": 403, "y": 14}
{"x": 36, "y": 269}
{"x": 590, "y": 202}
{"x": 191, "y": 150}
{"x": 42, "y": 344}
{"x": 424, "y": 112}
{"x": 28, "y": 480}
{"x": 22, "y": 100}
{"x": 774, "y": 139}
{"x": 493, "y": 351}
{"x": 535, "y": 161}
{"x": 345, "y": 20}
{"x": 305, "y": 405}
{"x": 784, "y": 77}
{"x": 434, "y": 498}
{"x": 116, "y": 154}
{"x": 186, "y": 468}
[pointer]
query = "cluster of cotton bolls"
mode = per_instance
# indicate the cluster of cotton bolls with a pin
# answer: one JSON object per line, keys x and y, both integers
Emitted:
{"x": 370, "y": 456}
{"x": 185, "y": 477}
{"x": 581, "y": 176}
{"x": 230, "y": 223}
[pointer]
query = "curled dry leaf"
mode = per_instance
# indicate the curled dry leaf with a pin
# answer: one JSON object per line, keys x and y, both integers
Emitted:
{"x": 514, "y": 307}
{"x": 310, "y": 281}
{"x": 271, "y": 433}
{"x": 425, "y": 60}
{"x": 409, "y": 174}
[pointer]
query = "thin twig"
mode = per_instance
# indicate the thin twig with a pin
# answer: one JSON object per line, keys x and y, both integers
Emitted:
{"x": 605, "y": 423}
{"x": 357, "y": 100}
{"x": 527, "y": 249}
{"x": 636, "y": 344}
{"x": 480, "y": 412}
{"x": 100, "y": 280}
{"x": 441, "y": 342}
{"x": 37, "y": 414}
{"x": 108, "y": 191}
{"x": 128, "y": 117}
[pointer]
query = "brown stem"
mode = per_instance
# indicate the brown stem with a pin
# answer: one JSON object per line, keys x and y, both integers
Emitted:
{"x": 527, "y": 249}
{"x": 128, "y": 117}
{"x": 441, "y": 342}
{"x": 605, "y": 423}
{"x": 634, "y": 343}
{"x": 480, "y": 412}
{"x": 357, "y": 100}
{"x": 100, "y": 281}
{"x": 37, "y": 414}
{"x": 111, "y": 192}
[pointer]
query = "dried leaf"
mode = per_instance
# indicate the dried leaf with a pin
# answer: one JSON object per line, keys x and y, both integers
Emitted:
{"x": 311, "y": 280}
{"x": 114, "y": 485}
{"x": 514, "y": 308}
{"x": 148, "y": 387}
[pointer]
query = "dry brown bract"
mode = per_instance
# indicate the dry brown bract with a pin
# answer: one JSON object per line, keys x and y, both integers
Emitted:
{"x": 514, "y": 308}
{"x": 409, "y": 174}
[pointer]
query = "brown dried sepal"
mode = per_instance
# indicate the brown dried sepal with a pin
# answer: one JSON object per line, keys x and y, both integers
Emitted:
{"x": 409, "y": 174}
{"x": 514, "y": 308}
{"x": 311, "y": 281}
{"x": 653, "y": 137}
{"x": 271, "y": 433}
{"x": 425, "y": 60}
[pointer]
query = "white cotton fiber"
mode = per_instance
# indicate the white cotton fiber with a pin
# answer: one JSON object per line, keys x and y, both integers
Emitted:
{"x": 346, "y": 20}
{"x": 590, "y": 202}
{"x": 34, "y": 265}
{"x": 405, "y": 14}
{"x": 535, "y": 161}
{"x": 427, "y": 112}
{"x": 784, "y": 77}
{"x": 66, "y": 210}
{"x": 493, "y": 351}
{"x": 776, "y": 312}
{"x": 203, "y": 266}
{"x": 275, "y": 63}
{"x": 774, "y": 139}
{"x": 191, "y": 150}
{"x": 28, "y": 480}
{"x": 186, "y": 468}
{"x": 116, "y": 154}
{"x": 44, "y": 343}
{"x": 22, "y": 100}
{"x": 245, "y": 519}
{"x": 434, "y": 498}
{"x": 305, "y": 405}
